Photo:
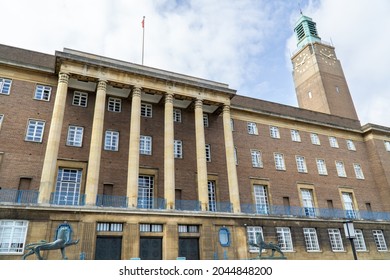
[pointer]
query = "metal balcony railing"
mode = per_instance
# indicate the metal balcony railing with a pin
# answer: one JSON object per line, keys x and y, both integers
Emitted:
{"x": 187, "y": 205}
{"x": 111, "y": 201}
{"x": 19, "y": 196}
{"x": 151, "y": 203}
{"x": 220, "y": 207}
{"x": 66, "y": 198}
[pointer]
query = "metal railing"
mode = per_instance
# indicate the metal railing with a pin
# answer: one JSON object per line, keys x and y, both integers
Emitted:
{"x": 151, "y": 203}
{"x": 187, "y": 205}
{"x": 111, "y": 201}
{"x": 69, "y": 199}
{"x": 220, "y": 207}
{"x": 19, "y": 196}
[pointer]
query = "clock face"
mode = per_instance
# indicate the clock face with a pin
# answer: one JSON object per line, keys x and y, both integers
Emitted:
{"x": 328, "y": 57}
{"x": 300, "y": 62}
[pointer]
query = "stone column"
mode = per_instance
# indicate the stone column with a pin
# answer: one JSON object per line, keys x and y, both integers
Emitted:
{"x": 133, "y": 163}
{"x": 95, "y": 150}
{"x": 230, "y": 160}
{"x": 53, "y": 141}
{"x": 169, "y": 157}
{"x": 201, "y": 163}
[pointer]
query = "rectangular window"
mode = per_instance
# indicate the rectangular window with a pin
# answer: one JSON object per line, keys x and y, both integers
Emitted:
{"x": 232, "y": 124}
{"x": 205, "y": 120}
{"x": 109, "y": 227}
{"x": 42, "y": 93}
{"x": 261, "y": 199}
{"x": 380, "y": 241}
{"x": 150, "y": 227}
{"x": 301, "y": 164}
{"x": 274, "y": 132}
{"x": 111, "y": 141}
{"x": 176, "y": 115}
{"x": 252, "y": 128}
{"x": 284, "y": 239}
{"x": 279, "y": 161}
{"x": 295, "y": 136}
{"x": 146, "y": 110}
{"x": 5, "y": 86}
{"x": 340, "y": 169}
{"x": 321, "y": 166}
{"x": 145, "y": 145}
{"x": 256, "y": 158}
{"x": 68, "y": 187}
{"x": 208, "y": 152}
{"x": 1, "y": 119}
{"x": 315, "y": 140}
{"x": 351, "y": 145}
{"x": 235, "y": 156}
{"x": 80, "y": 99}
{"x": 348, "y": 205}
{"x": 12, "y": 236}
{"x": 114, "y": 104}
{"x": 333, "y": 142}
{"x": 387, "y": 145}
{"x": 188, "y": 228}
{"x": 360, "y": 244}
{"x": 358, "y": 171}
{"x": 178, "y": 149}
{"x": 75, "y": 136}
{"x": 308, "y": 202}
{"x": 35, "y": 131}
{"x": 212, "y": 196}
{"x": 311, "y": 240}
{"x": 252, "y": 232}
{"x": 336, "y": 242}
{"x": 145, "y": 191}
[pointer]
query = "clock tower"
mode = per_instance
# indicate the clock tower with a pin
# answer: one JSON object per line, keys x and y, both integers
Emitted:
{"x": 319, "y": 79}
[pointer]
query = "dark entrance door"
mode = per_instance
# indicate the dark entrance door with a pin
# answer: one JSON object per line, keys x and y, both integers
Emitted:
{"x": 189, "y": 248}
{"x": 150, "y": 248}
{"x": 108, "y": 248}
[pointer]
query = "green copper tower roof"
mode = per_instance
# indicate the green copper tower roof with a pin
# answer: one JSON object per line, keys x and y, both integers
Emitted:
{"x": 306, "y": 31}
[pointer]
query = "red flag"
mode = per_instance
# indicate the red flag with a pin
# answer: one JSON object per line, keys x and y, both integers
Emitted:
{"x": 143, "y": 23}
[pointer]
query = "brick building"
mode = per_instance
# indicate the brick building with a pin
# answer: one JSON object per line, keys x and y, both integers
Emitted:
{"x": 144, "y": 163}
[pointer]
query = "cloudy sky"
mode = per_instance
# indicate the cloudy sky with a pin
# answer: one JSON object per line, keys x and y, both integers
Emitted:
{"x": 244, "y": 43}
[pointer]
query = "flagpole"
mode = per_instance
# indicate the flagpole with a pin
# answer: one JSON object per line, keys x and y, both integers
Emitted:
{"x": 143, "y": 39}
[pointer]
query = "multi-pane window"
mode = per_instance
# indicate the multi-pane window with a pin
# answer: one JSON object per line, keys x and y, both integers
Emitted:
{"x": 178, "y": 148}
{"x": 176, "y": 115}
{"x": 145, "y": 191}
{"x": 336, "y": 242}
{"x": 261, "y": 199}
{"x": 274, "y": 132}
{"x": 35, "y": 131}
{"x": 301, "y": 164}
{"x": 284, "y": 239}
{"x": 150, "y": 227}
{"x": 188, "y": 228}
{"x": 311, "y": 239}
{"x": 350, "y": 145}
{"x": 208, "y": 152}
{"x": 212, "y": 196}
{"x": 256, "y": 158}
{"x": 348, "y": 205}
{"x": 75, "y": 136}
{"x": 146, "y": 110}
{"x": 42, "y": 93}
{"x": 333, "y": 142}
{"x": 206, "y": 120}
{"x": 252, "y": 128}
{"x": 340, "y": 169}
{"x": 114, "y": 104}
{"x": 68, "y": 187}
{"x": 321, "y": 166}
{"x": 295, "y": 136}
{"x": 112, "y": 227}
{"x": 360, "y": 244}
{"x": 145, "y": 145}
{"x": 80, "y": 99}
{"x": 315, "y": 140}
{"x": 5, "y": 86}
{"x": 358, "y": 171}
{"x": 387, "y": 146}
{"x": 12, "y": 236}
{"x": 279, "y": 161}
{"x": 380, "y": 241}
{"x": 252, "y": 233}
{"x": 111, "y": 140}
{"x": 308, "y": 202}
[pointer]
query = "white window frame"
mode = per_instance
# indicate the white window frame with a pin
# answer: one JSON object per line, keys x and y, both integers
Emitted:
{"x": 178, "y": 148}
{"x": 75, "y": 136}
{"x": 114, "y": 105}
{"x": 252, "y": 128}
{"x": 13, "y": 235}
{"x": 274, "y": 132}
{"x": 145, "y": 192}
{"x": 321, "y": 167}
{"x": 68, "y": 185}
{"x": 257, "y": 160}
{"x": 350, "y": 145}
{"x": 387, "y": 145}
{"x": 205, "y": 120}
{"x": 208, "y": 152}
{"x": 295, "y": 136}
{"x": 111, "y": 141}
{"x": 35, "y": 130}
{"x": 177, "y": 115}
{"x": 150, "y": 227}
{"x": 284, "y": 239}
{"x": 349, "y": 205}
{"x": 251, "y": 232}
{"x": 360, "y": 244}
{"x": 380, "y": 241}
{"x": 315, "y": 140}
{"x": 301, "y": 164}
{"x": 42, "y": 93}
{"x": 358, "y": 171}
{"x": 333, "y": 142}
{"x": 1, "y": 119}
{"x": 308, "y": 202}
{"x": 5, "y": 86}
{"x": 80, "y": 99}
{"x": 340, "y": 169}
{"x": 279, "y": 161}
{"x": 260, "y": 193}
{"x": 145, "y": 145}
{"x": 336, "y": 242}
{"x": 311, "y": 240}
{"x": 212, "y": 199}
{"x": 146, "y": 110}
